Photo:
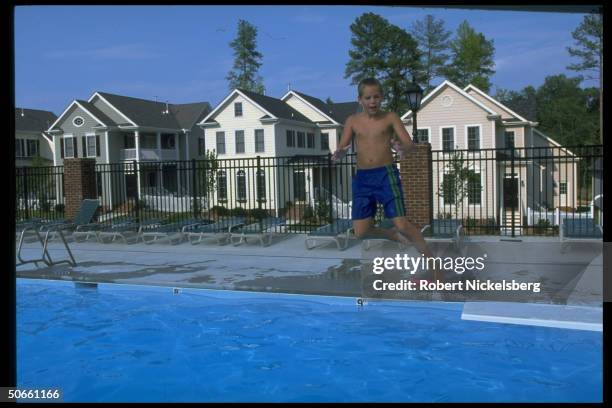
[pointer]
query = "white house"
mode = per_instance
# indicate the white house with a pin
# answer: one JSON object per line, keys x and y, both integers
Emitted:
{"x": 451, "y": 118}
{"x": 31, "y": 139}
{"x": 292, "y": 136}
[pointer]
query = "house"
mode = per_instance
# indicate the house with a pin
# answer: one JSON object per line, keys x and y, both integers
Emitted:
{"x": 291, "y": 137}
{"x": 31, "y": 139}
{"x": 530, "y": 173}
{"x": 121, "y": 129}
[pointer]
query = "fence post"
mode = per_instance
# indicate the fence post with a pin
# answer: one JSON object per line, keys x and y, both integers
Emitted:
{"x": 257, "y": 186}
{"x": 137, "y": 203}
{"x": 25, "y": 192}
{"x": 195, "y": 206}
{"x": 517, "y": 188}
{"x": 329, "y": 179}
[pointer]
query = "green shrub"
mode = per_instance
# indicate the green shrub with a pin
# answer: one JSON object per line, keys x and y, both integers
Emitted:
{"x": 238, "y": 212}
{"x": 59, "y": 208}
{"x": 220, "y": 211}
{"x": 258, "y": 213}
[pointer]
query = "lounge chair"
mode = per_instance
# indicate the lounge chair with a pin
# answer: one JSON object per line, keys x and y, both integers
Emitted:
{"x": 172, "y": 232}
{"x": 127, "y": 229}
{"x": 339, "y": 230}
{"x": 579, "y": 230}
{"x": 261, "y": 230}
{"x": 444, "y": 230}
{"x": 33, "y": 228}
{"x": 368, "y": 240}
{"x": 80, "y": 226}
{"x": 219, "y": 230}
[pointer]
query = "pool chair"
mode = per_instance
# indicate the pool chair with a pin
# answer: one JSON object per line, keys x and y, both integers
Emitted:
{"x": 219, "y": 230}
{"x": 262, "y": 230}
{"x": 127, "y": 229}
{"x": 445, "y": 230}
{"x": 32, "y": 228}
{"x": 80, "y": 226}
{"x": 172, "y": 232}
{"x": 339, "y": 231}
{"x": 579, "y": 230}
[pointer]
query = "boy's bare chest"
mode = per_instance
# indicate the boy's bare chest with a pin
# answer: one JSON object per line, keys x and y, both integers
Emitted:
{"x": 372, "y": 129}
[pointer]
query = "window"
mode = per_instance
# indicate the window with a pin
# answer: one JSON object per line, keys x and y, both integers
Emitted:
{"x": 448, "y": 189}
{"x": 221, "y": 185}
{"x": 509, "y": 136}
{"x": 448, "y": 139}
{"x": 69, "y": 146}
{"x": 259, "y": 141}
{"x": 78, "y": 121}
{"x": 301, "y": 139}
{"x": 563, "y": 188}
{"x": 324, "y": 141}
{"x": 290, "y": 138}
{"x": 299, "y": 185}
{"x": 239, "y": 134}
{"x": 221, "y": 142}
{"x": 261, "y": 185}
{"x": 201, "y": 147}
{"x": 91, "y": 146}
{"x": 148, "y": 141}
{"x": 238, "y": 109}
{"x": 32, "y": 148}
{"x": 167, "y": 141}
{"x": 473, "y": 135}
{"x": 474, "y": 189}
{"x": 129, "y": 141}
{"x": 19, "y": 148}
{"x": 241, "y": 185}
{"x": 310, "y": 140}
{"x": 422, "y": 135}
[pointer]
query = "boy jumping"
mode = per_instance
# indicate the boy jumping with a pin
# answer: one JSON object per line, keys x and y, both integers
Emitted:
{"x": 377, "y": 179}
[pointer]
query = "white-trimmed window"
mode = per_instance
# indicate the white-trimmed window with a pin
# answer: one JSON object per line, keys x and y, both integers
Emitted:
{"x": 78, "y": 121}
{"x": 475, "y": 189}
{"x": 241, "y": 186}
{"x": 324, "y": 141}
{"x": 92, "y": 146}
{"x": 238, "y": 109}
{"x": 448, "y": 138}
{"x": 422, "y": 135}
{"x": 239, "y": 139}
{"x": 70, "y": 148}
{"x": 221, "y": 142}
{"x": 19, "y": 148}
{"x": 31, "y": 147}
{"x": 167, "y": 141}
{"x": 473, "y": 137}
{"x": 563, "y": 187}
{"x": 261, "y": 185}
{"x": 259, "y": 141}
{"x": 301, "y": 139}
{"x": 310, "y": 141}
{"x": 221, "y": 185}
{"x": 509, "y": 139}
{"x": 290, "y": 138}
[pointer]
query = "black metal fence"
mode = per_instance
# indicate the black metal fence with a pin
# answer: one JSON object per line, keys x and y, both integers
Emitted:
{"x": 518, "y": 191}
{"x": 39, "y": 192}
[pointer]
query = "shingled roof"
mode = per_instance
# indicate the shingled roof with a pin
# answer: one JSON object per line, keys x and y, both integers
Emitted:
{"x": 33, "y": 120}
{"x": 275, "y": 106}
{"x": 337, "y": 111}
{"x": 97, "y": 113}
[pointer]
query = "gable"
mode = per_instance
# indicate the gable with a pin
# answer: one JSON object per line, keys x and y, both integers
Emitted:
{"x": 66, "y": 124}
{"x": 305, "y": 109}
{"x": 108, "y": 110}
{"x": 505, "y": 114}
{"x": 225, "y": 112}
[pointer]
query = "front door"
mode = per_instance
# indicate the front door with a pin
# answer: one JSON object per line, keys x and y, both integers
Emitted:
{"x": 510, "y": 193}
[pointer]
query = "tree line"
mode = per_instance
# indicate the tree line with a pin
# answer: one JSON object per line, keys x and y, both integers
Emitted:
{"x": 428, "y": 51}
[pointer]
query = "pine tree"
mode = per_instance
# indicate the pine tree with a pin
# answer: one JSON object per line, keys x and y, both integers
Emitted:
{"x": 472, "y": 59}
{"x": 589, "y": 48}
{"x": 244, "y": 73}
{"x": 433, "y": 41}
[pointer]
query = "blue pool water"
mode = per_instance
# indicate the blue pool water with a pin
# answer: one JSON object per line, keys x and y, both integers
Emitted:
{"x": 134, "y": 343}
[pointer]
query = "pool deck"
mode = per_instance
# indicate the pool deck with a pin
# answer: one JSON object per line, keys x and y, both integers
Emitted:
{"x": 287, "y": 266}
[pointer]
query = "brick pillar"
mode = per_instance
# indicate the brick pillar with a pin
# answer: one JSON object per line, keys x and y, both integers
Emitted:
{"x": 416, "y": 176}
{"x": 79, "y": 182}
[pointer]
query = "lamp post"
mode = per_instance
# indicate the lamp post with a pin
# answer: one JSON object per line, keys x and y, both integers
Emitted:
{"x": 414, "y": 94}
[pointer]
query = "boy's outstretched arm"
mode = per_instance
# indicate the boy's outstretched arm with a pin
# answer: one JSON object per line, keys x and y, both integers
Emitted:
{"x": 345, "y": 140}
{"x": 406, "y": 141}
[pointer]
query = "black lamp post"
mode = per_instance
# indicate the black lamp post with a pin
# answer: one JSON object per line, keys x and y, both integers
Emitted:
{"x": 414, "y": 94}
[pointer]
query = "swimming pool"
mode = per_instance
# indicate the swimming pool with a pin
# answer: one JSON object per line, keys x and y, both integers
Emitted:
{"x": 133, "y": 343}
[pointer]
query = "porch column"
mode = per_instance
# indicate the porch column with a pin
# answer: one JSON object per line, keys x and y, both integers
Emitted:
{"x": 176, "y": 147}
{"x": 158, "y": 135}
{"x": 417, "y": 183}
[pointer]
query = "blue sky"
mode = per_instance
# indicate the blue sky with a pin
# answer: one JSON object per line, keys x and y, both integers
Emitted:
{"x": 182, "y": 53}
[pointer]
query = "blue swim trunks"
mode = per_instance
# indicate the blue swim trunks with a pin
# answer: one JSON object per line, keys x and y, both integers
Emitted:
{"x": 380, "y": 184}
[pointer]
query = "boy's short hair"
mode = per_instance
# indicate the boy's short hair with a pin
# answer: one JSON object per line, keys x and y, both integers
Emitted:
{"x": 368, "y": 82}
